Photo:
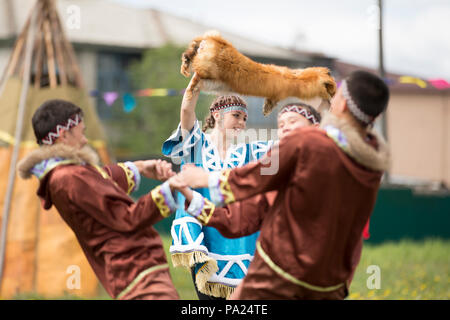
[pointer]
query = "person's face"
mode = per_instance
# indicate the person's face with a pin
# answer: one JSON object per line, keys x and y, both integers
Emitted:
{"x": 289, "y": 121}
{"x": 233, "y": 121}
{"x": 74, "y": 137}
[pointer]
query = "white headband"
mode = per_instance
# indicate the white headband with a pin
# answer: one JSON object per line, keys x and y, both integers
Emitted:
{"x": 300, "y": 110}
{"x": 51, "y": 137}
{"x": 353, "y": 107}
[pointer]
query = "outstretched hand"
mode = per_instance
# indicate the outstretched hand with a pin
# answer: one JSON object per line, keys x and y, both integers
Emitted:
{"x": 194, "y": 177}
{"x": 155, "y": 169}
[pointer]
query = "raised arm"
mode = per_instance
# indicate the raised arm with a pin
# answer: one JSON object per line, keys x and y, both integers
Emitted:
{"x": 190, "y": 98}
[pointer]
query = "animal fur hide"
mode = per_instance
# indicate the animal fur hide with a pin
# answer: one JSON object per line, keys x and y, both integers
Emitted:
{"x": 223, "y": 69}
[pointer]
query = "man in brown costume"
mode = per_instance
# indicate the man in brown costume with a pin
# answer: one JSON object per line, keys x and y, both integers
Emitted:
{"x": 327, "y": 182}
{"x": 115, "y": 233}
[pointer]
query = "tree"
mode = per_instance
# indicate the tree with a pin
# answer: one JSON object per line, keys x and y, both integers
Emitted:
{"x": 142, "y": 131}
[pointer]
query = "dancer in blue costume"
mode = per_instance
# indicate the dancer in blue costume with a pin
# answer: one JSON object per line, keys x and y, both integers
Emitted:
{"x": 218, "y": 263}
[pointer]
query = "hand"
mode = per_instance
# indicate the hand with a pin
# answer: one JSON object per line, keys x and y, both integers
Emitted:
{"x": 155, "y": 169}
{"x": 194, "y": 87}
{"x": 176, "y": 183}
{"x": 193, "y": 176}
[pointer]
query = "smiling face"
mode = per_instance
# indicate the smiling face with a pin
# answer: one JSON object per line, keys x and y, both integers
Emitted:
{"x": 289, "y": 121}
{"x": 232, "y": 121}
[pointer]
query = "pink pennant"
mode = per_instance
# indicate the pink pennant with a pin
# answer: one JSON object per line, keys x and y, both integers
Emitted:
{"x": 439, "y": 83}
{"x": 110, "y": 97}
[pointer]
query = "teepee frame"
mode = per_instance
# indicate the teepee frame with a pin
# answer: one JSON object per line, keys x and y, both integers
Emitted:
{"x": 52, "y": 54}
{"x": 42, "y": 56}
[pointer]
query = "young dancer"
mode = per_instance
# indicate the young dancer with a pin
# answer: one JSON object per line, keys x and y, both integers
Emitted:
{"x": 115, "y": 233}
{"x": 293, "y": 114}
{"x": 218, "y": 264}
{"x": 327, "y": 183}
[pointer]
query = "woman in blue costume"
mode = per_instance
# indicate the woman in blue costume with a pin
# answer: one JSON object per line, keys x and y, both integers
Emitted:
{"x": 218, "y": 264}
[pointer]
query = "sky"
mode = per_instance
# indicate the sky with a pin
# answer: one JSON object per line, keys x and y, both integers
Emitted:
{"x": 416, "y": 40}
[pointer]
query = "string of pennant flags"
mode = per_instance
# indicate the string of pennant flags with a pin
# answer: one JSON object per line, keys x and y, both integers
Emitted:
{"x": 129, "y": 99}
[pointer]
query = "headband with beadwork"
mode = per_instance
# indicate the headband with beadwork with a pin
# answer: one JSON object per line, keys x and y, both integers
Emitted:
{"x": 230, "y": 107}
{"x": 353, "y": 107}
{"x": 54, "y": 134}
{"x": 300, "y": 110}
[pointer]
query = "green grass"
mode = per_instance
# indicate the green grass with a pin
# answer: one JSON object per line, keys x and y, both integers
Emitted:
{"x": 408, "y": 269}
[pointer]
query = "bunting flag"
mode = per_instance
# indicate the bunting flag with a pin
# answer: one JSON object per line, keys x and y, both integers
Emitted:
{"x": 110, "y": 97}
{"x": 413, "y": 80}
{"x": 129, "y": 100}
{"x": 129, "y": 103}
{"x": 440, "y": 84}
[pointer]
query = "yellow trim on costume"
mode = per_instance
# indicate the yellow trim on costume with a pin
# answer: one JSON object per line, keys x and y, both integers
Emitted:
{"x": 102, "y": 172}
{"x": 160, "y": 202}
{"x": 139, "y": 278}
{"x": 207, "y": 212}
{"x": 225, "y": 188}
{"x": 289, "y": 277}
{"x": 130, "y": 176}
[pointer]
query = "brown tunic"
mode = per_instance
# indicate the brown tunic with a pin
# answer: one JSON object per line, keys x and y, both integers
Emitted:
{"x": 311, "y": 238}
{"x": 115, "y": 233}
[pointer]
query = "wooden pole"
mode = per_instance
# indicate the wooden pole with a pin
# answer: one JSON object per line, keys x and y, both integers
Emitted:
{"x": 18, "y": 137}
{"x": 57, "y": 40}
{"x": 382, "y": 74}
{"x": 50, "y": 54}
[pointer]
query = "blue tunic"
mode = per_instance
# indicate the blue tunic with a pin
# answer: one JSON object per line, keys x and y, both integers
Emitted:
{"x": 204, "y": 245}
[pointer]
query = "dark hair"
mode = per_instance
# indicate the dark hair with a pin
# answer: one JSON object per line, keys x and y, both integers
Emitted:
{"x": 316, "y": 115}
{"x": 50, "y": 114}
{"x": 369, "y": 92}
{"x": 210, "y": 122}
{"x": 313, "y": 111}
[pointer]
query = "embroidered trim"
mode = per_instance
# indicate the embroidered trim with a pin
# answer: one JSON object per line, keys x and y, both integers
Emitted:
{"x": 163, "y": 198}
{"x": 289, "y": 277}
{"x": 206, "y": 212}
{"x": 177, "y": 146}
{"x": 196, "y": 205}
{"x": 338, "y": 137}
{"x": 224, "y": 186}
{"x": 219, "y": 189}
{"x": 132, "y": 178}
{"x": 300, "y": 110}
{"x": 54, "y": 134}
{"x": 44, "y": 167}
{"x": 139, "y": 277}
{"x": 353, "y": 107}
{"x": 183, "y": 232}
{"x": 230, "y": 107}
{"x": 136, "y": 174}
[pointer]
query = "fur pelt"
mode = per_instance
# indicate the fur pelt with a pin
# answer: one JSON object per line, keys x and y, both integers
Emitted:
{"x": 363, "y": 153}
{"x": 223, "y": 69}
{"x": 59, "y": 150}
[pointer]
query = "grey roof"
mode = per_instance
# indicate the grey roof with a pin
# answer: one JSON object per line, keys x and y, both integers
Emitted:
{"x": 107, "y": 23}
